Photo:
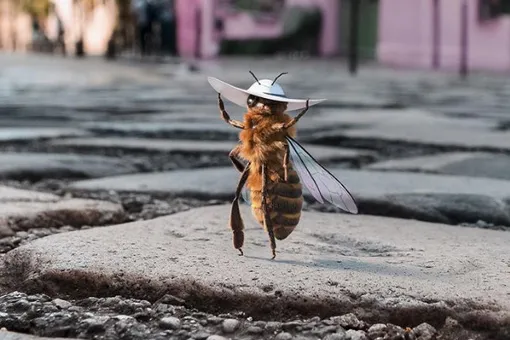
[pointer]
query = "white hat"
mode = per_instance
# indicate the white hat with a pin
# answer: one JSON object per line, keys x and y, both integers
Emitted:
{"x": 264, "y": 88}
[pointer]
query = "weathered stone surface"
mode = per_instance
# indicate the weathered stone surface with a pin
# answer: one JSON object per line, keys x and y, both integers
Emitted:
{"x": 473, "y": 164}
{"x": 417, "y": 126}
{"x": 382, "y": 268}
{"x": 230, "y": 325}
{"x": 6, "y": 335}
{"x": 203, "y": 115}
{"x": 159, "y": 128}
{"x": 222, "y": 180}
{"x": 22, "y": 210}
{"x": 97, "y": 316}
{"x": 437, "y": 198}
{"x": 202, "y": 129}
{"x": 170, "y": 322}
{"x": 171, "y": 145}
{"x": 12, "y": 134}
{"x": 35, "y": 81}
{"x": 46, "y": 81}
{"x": 8, "y": 194}
{"x": 47, "y": 165}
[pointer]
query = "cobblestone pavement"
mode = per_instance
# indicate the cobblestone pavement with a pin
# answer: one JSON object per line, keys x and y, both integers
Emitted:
{"x": 89, "y": 144}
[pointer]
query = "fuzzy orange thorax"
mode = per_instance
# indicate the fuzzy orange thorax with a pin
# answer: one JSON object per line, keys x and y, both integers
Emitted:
{"x": 264, "y": 143}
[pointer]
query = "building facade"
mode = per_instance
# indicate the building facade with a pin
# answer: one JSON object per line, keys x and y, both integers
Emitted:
{"x": 433, "y": 35}
{"x": 204, "y": 24}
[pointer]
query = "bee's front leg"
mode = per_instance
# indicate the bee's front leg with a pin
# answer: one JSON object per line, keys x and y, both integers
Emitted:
{"x": 236, "y": 222}
{"x": 296, "y": 119}
{"x": 226, "y": 117}
{"x": 265, "y": 209}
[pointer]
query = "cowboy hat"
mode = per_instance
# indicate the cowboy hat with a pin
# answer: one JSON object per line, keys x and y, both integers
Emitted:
{"x": 264, "y": 88}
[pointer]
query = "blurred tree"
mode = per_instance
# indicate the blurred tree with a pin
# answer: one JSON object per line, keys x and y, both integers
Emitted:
{"x": 36, "y": 8}
{"x": 124, "y": 27}
{"x": 121, "y": 36}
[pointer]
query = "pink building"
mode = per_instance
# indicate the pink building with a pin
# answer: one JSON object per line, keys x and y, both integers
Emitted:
{"x": 198, "y": 33}
{"x": 430, "y": 33}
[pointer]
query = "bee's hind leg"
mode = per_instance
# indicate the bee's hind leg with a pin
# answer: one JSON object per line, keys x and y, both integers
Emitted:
{"x": 235, "y": 161}
{"x": 236, "y": 222}
{"x": 265, "y": 208}
{"x": 286, "y": 163}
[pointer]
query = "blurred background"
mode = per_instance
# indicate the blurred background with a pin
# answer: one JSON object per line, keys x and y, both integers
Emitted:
{"x": 412, "y": 87}
{"x": 459, "y": 34}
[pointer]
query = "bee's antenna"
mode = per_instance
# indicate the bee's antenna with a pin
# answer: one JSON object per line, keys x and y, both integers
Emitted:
{"x": 281, "y": 74}
{"x": 254, "y": 77}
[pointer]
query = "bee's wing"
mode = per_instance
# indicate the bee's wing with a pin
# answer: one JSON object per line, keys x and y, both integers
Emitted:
{"x": 319, "y": 181}
{"x": 246, "y": 195}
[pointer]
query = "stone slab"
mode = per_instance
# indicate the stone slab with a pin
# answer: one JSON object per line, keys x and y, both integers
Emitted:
{"x": 24, "y": 209}
{"x": 212, "y": 125}
{"x": 473, "y": 164}
{"x": 419, "y": 118}
{"x": 33, "y": 133}
{"x": 222, "y": 180}
{"x": 416, "y": 126}
{"x": 373, "y": 85}
{"x": 382, "y": 268}
{"x": 54, "y": 165}
{"x": 158, "y": 127}
{"x": 6, "y": 335}
{"x": 196, "y": 146}
{"x": 206, "y": 114}
{"x": 8, "y": 194}
{"x": 438, "y": 198}
{"x": 442, "y": 136}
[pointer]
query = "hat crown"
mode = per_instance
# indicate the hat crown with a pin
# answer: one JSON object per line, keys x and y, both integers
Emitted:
{"x": 266, "y": 86}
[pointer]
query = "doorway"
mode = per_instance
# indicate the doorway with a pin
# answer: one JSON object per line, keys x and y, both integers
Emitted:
{"x": 367, "y": 31}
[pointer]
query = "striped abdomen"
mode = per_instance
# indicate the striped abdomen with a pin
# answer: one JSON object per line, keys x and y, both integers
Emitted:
{"x": 285, "y": 200}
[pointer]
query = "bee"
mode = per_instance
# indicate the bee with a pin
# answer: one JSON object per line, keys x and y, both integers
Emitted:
{"x": 276, "y": 165}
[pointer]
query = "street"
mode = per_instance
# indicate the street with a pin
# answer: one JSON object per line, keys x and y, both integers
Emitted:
{"x": 116, "y": 190}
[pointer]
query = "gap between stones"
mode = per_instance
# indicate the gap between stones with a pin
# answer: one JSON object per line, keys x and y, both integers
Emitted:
{"x": 147, "y": 160}
{"x": 136, "y": 207}
{"x": 385, "y": 149}
{"x": 503, "y": 126}
{"x": 398, "y": 148}
{"x": 366, "y": 205}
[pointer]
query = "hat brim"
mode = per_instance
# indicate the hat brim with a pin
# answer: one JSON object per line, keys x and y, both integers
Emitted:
{"x": 239, "y": 96}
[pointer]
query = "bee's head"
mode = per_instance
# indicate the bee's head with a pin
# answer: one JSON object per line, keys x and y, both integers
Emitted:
{"x": 265, "y": 106}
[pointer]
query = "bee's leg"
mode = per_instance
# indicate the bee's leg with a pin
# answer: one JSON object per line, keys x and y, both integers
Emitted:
{"x": 235, "y": 161}
{"x": 286, "y": 163}
{"x": 295, "y": 119}
{"x": 265, "y": 208}
{"x": 236, "y": 222}
{"x": 225, "y": 116}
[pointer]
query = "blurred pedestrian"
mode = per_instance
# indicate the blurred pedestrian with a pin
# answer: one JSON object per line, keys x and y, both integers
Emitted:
{"x": 141, "y": 9}
{"x": 168, "y": 21}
